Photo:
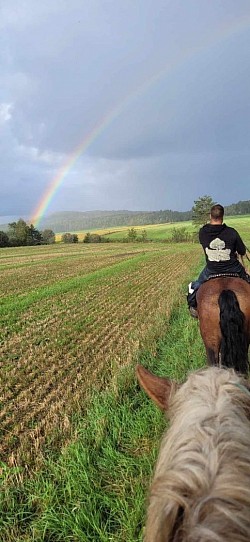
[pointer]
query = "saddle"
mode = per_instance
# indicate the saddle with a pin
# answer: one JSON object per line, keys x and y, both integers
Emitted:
{"x": 219, "y": 275}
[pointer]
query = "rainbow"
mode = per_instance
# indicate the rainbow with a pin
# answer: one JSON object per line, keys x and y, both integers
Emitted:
{"x": 225, "y": 32}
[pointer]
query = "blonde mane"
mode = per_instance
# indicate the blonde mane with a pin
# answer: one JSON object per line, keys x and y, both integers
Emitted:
{"x": 201, "y": 486}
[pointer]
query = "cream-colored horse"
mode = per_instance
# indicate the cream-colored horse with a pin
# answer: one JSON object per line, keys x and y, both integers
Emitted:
{"x": 201, "y": 486}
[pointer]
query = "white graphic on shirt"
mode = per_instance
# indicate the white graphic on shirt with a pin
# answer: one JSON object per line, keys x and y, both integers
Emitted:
{"x": 217, "y": 251}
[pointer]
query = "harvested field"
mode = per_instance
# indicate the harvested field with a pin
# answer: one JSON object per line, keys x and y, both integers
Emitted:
{"x": 70, "y": 318}
{"x": 24, "y": 268}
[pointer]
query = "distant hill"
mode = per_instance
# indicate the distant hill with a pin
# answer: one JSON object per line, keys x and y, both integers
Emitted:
{"x": 90, "y": 220}
{"x": 70, "y": 221}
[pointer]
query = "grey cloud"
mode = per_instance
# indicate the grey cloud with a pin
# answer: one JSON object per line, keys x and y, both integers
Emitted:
{"x": 178, "y": 74}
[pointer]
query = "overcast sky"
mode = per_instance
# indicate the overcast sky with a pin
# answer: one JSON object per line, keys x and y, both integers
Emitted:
{"x": 163, "y": 84}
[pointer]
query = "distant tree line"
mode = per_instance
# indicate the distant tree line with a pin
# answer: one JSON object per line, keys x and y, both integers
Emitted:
{"x": 240, "y": 208}
{"x": 77, "y": 221}
{"x": 133, "y": 235}
{"x": 88, "y": 238}
{"x": 21, "y": 234}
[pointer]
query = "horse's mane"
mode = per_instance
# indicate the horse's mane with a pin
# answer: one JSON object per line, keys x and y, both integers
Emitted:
{"x": 201, "y": 487}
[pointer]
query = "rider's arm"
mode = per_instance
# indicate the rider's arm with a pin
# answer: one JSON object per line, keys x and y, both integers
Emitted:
{"x": 240, "y": 258}
{"x": 240, "y": 247}
{"x": 201, "y": 237}
{"x": 244, "y": 262}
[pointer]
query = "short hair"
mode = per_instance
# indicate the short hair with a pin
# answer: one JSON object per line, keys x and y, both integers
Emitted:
{"x": 217, "y": 211}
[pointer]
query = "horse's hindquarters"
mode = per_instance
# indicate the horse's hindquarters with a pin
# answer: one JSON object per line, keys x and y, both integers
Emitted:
{"x": 225, "y": 329}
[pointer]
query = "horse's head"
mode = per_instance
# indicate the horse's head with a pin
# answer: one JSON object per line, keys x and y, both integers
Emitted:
{"x": 196, "y": 494}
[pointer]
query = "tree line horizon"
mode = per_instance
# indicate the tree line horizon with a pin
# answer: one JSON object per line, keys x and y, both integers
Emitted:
{"x": 90, "y": 220}
{"x": 22, "y": 234}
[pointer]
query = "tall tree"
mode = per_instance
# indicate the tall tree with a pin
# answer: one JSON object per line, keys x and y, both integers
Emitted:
{"x": 201, "y": 210}
{"x": 18, "y": 232}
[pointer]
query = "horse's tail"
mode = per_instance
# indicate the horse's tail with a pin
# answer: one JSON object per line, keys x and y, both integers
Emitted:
{"x": 234, "y": 347}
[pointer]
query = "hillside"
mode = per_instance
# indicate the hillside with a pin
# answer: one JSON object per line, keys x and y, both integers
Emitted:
{"x": 70, "y": 221}
{"x": 77, "y": 221}
{"x": 90, "y": 220}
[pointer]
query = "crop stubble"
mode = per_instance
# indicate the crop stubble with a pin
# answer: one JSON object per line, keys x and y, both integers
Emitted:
{"x": 68, "y": 343}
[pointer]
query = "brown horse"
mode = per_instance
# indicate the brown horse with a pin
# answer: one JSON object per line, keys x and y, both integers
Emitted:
{"x": 201, "y": 485}
{"x": 224, "y": 315}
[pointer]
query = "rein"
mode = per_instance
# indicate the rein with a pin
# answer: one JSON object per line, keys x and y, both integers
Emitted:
{"x": 248, "y": 253}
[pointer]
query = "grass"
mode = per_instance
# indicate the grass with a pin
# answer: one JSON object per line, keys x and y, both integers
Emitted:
{"x": 60, "y": 338}
{"x": 68, "y": 386}
{"x": 95, "y": 488}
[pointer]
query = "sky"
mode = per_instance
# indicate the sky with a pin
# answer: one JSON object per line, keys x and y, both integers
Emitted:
{"x": 123, "y": 104}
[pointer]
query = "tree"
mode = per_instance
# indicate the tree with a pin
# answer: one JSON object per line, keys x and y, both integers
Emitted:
{"x": 48, "y": 237}
{"x": 4, "y": 240}
{"x": 87, "y": 238}
{"x": 34, "y": 236}
{"x": 69, "y": 238}
{"x": 179, "y": 235}
{"x": 92, "y": 238}
{"x": 18, "y": 232}
{"x": 201, "y": 210}
{"x": 132, "y": 235}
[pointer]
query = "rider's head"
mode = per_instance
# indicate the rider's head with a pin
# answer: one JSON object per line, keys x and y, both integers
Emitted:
{"x": 217, "y": 213}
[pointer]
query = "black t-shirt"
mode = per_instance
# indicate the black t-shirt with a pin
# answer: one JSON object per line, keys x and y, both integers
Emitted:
{"x": 220, "y": 244}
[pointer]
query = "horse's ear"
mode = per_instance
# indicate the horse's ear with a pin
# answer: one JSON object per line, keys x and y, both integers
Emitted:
{"x": 156, "y": 387}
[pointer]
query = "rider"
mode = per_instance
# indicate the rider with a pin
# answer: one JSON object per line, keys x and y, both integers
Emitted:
{"x": 222, "y": 246}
